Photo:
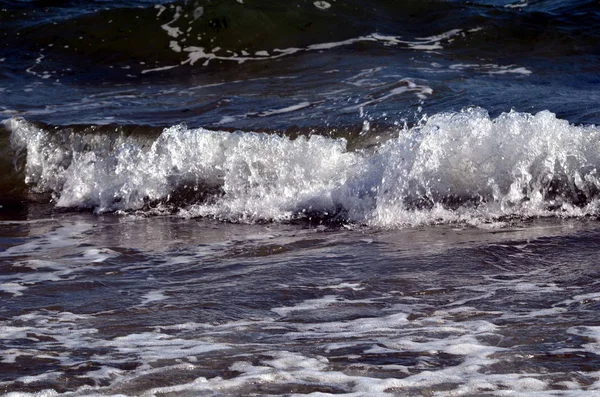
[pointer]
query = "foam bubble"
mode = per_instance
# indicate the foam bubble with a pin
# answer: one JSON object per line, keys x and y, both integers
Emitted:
{"x": 322, "y": 5}
{"x": 12, "y": 288}
{"x": 153, "y": 296}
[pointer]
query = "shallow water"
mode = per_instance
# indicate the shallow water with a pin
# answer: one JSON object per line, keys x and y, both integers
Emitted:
{"x": 316, "y": 198}
{"x": 122, "y": 305}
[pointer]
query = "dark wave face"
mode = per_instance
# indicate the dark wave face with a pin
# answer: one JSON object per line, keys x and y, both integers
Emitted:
{"x": 151, "y": 62}
{"x": 163, "y": 34}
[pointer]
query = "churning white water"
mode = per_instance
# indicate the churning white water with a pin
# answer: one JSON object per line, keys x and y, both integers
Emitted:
{"x": 452, "y": 167}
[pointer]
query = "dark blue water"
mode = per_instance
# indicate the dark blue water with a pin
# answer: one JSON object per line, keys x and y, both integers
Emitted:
{"x": 157, "y": 63}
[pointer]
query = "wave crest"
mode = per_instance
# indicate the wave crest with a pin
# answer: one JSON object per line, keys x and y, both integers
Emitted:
{"x": 452, "y": 167}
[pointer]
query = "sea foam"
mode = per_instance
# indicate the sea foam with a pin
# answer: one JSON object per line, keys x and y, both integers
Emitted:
{"x": 451, "y": 167}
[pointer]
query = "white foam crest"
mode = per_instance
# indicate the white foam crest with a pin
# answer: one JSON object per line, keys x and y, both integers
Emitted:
{"x": 452, "y": 167}
{"x": 516, "y": 164}
{"x": 269, "y": 177}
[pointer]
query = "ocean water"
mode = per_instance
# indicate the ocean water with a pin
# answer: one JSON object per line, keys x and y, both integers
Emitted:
{"x": 302, "y": 198}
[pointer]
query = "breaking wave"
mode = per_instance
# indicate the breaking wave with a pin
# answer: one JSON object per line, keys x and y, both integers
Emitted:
{"x": 451, "y": 167}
